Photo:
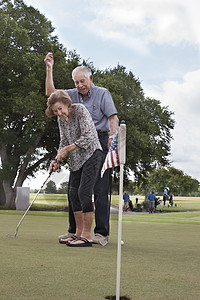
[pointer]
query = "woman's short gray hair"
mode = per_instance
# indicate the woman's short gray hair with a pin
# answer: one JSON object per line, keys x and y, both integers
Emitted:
{"x": 87, "y": 72}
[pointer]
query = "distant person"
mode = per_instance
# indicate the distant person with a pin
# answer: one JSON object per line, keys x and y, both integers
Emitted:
{"x": 157, "y": 202}
{"x": 171, "y": 201}
{"x": 165, "y": 196}
{"x": 126, "y": 201}
{"x": 99, "y": 103}
{"x": 151, "y": 198}
{"x": 130, "y": 204}
{"x": 136, "y": 202}
{"x": 79, "y": 143}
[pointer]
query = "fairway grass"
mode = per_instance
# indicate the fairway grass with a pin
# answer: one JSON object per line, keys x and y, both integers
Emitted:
{"x": 160, "y": 259}
{"x": 49, "y": 201}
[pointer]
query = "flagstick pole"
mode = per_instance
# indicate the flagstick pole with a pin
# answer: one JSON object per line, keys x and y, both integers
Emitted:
{"x": 119, "y": 232}
{"x": 122, "y": 158}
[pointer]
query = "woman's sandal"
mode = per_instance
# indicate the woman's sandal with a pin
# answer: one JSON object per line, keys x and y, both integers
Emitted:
{"x": 72, "y": 238}
{"x": 85, "y": 243}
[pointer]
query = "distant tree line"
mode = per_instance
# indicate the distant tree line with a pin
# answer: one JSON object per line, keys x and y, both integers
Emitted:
{"x": 179, "y": 184}
{"x": 52, "y": 189}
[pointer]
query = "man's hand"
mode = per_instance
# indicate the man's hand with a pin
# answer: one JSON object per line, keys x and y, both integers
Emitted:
{"x": 109, "y": 143}
{"x": 49, "y": 61}
{"x": 49, "y": 84}
{"x": 114, "y": 122}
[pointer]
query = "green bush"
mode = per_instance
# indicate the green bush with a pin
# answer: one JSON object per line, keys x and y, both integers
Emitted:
{"x": 145, "y": 205}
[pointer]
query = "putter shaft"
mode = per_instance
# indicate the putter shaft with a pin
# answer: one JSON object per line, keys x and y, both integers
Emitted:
{"x": 15, "y": 235}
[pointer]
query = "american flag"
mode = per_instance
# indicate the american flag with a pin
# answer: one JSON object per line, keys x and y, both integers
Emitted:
{"x": 112, "y": 157}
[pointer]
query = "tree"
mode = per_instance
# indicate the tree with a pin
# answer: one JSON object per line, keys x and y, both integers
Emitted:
{"x": 149, "y": 124}
{"x": 27, "y": 138}
{"x": 51, "y": 187}
{"x": 178, "y": 182}
{"x": 63, "y": 188}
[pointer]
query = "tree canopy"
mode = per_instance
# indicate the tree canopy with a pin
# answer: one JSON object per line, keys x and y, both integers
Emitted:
{"x": 175, "y": 179}
{"x": 149, "y": 124}
{"x": 51, "y": 187}
{"x": 28, "y": 140}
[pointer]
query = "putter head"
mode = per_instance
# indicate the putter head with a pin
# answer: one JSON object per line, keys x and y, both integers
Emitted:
{"x": 11, "y": 236}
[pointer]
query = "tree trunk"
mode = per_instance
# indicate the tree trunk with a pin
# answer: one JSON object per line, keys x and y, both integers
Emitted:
{"x": 8, "y": 191}
{"x": 2, "y": 194}
{"x": 20, "y": 179}
{"x": 9, "y": 194}
{"x": 147, "y": 192}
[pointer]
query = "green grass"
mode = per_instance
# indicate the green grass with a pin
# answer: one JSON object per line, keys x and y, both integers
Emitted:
{"x": 48, "y": 201}
{"x": 60, "y": 201}
{"x": 160, "y": 258}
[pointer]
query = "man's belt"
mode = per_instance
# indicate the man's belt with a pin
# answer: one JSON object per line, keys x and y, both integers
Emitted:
{"x": 102, "y": 133}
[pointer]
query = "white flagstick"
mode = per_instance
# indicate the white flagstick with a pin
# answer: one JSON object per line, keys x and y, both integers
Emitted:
{"x": 122, "y": 159}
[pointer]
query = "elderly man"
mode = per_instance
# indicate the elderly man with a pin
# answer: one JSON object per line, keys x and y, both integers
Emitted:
{"x": 100, "y": 104}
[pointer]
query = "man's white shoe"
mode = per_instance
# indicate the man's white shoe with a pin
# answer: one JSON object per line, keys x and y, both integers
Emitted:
{"x": 65, "y": 236}
{"x": 100, "y": 239}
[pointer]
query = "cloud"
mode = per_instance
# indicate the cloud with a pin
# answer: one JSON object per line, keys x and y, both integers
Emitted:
{"x": 168, "y": 21}
{"x": 182, "y": 97}
{"x": 58, "y": 178}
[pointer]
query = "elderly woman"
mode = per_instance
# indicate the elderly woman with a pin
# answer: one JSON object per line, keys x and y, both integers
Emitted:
{"x": 80, "y": 144}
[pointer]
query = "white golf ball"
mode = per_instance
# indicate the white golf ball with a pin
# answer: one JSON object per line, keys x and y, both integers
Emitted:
{"x": 122, "y": 243}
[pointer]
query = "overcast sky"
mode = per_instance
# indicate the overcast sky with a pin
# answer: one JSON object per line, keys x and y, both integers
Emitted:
{"x": 158, "y": 40}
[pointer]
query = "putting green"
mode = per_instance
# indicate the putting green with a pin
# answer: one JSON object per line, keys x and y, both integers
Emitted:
{"x": 160, "y": 259}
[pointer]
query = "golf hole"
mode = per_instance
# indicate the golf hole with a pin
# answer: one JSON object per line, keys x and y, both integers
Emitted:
{"x": 121, "y": 298}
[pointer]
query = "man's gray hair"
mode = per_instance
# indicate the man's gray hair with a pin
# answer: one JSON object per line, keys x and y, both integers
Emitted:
{"x": 87, "y": 72}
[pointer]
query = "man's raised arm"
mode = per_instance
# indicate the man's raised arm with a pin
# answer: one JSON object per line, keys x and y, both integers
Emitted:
{"x": 49, "y": 84}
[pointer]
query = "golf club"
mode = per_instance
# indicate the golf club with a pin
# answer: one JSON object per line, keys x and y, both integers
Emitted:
{"x": 15, "y": 235}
